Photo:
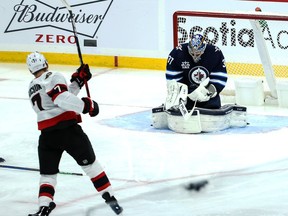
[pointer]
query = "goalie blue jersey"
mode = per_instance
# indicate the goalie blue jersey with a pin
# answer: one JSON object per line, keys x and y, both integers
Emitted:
{"x": 182, "y": 68}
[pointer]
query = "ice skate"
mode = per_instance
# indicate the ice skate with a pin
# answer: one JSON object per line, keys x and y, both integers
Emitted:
{"x": 44, "y": 210}
{"x": 113, "y": 203}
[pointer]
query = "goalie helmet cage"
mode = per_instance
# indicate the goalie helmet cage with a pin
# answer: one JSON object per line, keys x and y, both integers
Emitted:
{"x": 255, "y": 44}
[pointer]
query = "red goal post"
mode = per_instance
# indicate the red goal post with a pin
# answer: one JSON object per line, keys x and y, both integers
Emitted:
{"x": 248, "y": 51}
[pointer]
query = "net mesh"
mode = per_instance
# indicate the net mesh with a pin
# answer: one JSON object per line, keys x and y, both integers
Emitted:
{"x": 234, "y": 35}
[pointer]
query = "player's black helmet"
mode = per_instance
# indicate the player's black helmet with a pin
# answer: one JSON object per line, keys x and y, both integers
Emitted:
{"x": 196, "y": 46}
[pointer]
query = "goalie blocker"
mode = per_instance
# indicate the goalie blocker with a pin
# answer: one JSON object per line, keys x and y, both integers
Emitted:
{"x": 201, "y": 120}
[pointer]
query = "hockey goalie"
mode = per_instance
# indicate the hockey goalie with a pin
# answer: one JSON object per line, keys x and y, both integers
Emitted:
{"x": 196, "y": 74}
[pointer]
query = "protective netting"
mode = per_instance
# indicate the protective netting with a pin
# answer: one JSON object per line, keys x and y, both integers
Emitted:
{"x": 234, "y": 35}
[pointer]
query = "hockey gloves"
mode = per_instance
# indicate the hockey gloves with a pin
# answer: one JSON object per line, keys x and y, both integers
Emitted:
{"x": 176, "y": 92}
{"x": 204, "y": 92}
{"x": 83, "y": 74}
{"x": 90, "y": 107}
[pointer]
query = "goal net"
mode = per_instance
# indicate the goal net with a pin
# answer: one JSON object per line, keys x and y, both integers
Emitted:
{"x": 254, "y": 43}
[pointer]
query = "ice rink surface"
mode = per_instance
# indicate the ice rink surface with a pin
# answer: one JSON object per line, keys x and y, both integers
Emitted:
{"x": 247, "y": 168}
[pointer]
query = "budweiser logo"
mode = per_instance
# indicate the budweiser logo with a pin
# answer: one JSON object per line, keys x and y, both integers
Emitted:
{"x": 38, "y": 14}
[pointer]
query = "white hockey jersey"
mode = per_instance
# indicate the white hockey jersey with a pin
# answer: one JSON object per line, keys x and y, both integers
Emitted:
{"x": 54, "y": 101}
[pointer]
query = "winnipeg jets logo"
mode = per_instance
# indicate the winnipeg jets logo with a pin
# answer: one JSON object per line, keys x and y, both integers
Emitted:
{"x": 198, "y": 74}
{"x": 185, "y": 65}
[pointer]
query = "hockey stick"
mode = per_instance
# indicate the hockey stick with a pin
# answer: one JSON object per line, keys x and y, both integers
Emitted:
{"x": 76, "y": 40}
{"x": 37, "y": 170}
{"x": 186, "y": 115}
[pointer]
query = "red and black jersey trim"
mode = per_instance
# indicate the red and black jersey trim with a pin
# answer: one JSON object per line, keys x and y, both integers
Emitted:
{"x": 57, "y": 89}
{"x": 53, "y": 122}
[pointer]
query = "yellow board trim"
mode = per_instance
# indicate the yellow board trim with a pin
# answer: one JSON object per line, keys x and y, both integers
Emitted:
{"x": 92, "y": 60}
{"x": 134, "y": 62}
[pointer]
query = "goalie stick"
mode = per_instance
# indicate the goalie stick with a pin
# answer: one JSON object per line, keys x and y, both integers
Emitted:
{"x": 76, "y": 40}
{"x": 186, "y": 115}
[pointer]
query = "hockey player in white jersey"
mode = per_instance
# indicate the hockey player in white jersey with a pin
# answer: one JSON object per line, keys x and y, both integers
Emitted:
{"x": 58, "y": 112}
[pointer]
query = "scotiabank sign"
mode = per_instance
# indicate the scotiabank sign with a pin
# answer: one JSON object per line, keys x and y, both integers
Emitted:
{"x": 233, "y": 33}
{"x": 35, "y": 14}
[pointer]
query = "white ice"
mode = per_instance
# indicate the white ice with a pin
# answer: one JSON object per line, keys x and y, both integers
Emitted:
{"x": 247, "y": 169}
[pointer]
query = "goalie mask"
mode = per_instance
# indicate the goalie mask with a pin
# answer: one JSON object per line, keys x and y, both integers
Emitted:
{"x": 196, "y": 47}
{"x": 36, "y": 61}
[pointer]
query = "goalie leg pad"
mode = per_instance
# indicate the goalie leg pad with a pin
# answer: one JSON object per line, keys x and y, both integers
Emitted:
{"x": 201, "y": 120}
{"x": 178, "y": 124}
{"x": 213, "y": 123}
{"x": 239, "y": 117}
{"x": 159, "y": 118}
{"x": 208, "y": 120}
{"x": 227, "y": 116}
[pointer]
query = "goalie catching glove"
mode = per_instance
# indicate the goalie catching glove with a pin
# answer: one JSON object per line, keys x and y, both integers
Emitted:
{"x": 90, "y": 107}
{"x": 81, "y": 75}
{"x": 204, "y": 92}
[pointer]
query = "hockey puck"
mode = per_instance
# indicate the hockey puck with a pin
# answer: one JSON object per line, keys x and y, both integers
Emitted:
{"x": 258, "y": 9}
{"x": 197, "y": 186}
{"x": 2, "y": 160}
